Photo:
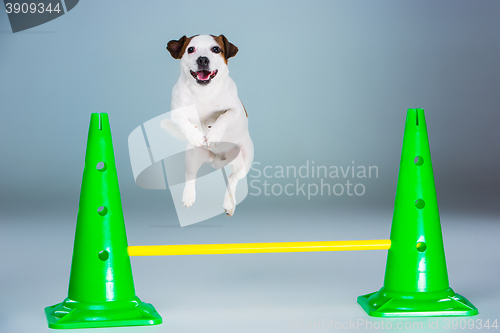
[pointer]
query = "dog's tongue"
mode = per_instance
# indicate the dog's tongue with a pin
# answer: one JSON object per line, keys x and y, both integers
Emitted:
{"x": 203, "y": 75}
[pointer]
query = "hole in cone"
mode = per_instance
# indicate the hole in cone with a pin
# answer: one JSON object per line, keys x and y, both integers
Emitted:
{"x": 103, "y": 255}
{"x": 101, "y": 166}
{"x": 102, "y": 211}
{"x": 418, "y": 160}
{"x": 420, "y": 203}
{"x": 421, "y": 247}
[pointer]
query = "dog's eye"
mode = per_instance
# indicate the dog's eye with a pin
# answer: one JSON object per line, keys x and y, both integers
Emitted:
{"x": 190, "y": 49}
{"x": 216, "y": 49}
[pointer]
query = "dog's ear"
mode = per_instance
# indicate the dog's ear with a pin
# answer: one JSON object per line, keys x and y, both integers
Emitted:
{"x": 177, "y": 47}
{"x": 230, "y": 50}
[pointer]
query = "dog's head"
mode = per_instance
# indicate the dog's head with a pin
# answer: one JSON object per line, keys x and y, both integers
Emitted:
{"x": 203, "y": 57}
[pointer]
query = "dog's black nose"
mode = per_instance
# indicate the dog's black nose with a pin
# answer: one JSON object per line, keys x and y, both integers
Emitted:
{"x": 202, "y": 62}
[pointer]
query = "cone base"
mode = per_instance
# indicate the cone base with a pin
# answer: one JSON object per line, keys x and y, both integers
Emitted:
{"x": 445, "y": 303}
{"x": 74, "y": 314}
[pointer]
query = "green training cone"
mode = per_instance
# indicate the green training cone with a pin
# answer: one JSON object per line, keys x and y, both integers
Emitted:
{"x": 416, "y": 279}
{"x": 101, "y": 288}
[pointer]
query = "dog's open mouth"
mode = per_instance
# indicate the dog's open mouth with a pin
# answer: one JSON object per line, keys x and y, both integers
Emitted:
{"x": 204, "y": 77}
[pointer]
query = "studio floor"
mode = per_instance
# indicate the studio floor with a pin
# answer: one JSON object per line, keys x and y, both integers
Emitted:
{"x": 251, "y": 292}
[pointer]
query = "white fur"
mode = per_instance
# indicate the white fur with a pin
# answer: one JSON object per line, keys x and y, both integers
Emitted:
{"x": 217, "y": 105}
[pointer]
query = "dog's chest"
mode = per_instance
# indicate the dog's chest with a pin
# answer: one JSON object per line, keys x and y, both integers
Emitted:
{"x": 209, "y": 112}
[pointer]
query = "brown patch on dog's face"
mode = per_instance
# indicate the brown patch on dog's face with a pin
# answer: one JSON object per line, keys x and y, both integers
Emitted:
{"x": 228, "y": 50}
{"x": 178, "y": 47}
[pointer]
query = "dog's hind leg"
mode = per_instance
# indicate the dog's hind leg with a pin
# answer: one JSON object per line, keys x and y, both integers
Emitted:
{"x": 240, "y": 166}
{"x": 195, "y": 157}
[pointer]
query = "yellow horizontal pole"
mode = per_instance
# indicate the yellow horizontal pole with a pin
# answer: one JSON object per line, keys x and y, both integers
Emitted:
{"x": 176, "y": 250}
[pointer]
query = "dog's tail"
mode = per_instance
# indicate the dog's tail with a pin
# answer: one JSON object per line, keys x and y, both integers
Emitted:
{"x": 171, "y": 128}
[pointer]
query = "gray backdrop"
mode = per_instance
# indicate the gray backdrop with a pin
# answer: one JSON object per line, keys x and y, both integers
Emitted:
{"x": 322, "y": 81}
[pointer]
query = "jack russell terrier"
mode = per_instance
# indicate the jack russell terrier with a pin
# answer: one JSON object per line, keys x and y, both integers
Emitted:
{"x": 207, "y": 113}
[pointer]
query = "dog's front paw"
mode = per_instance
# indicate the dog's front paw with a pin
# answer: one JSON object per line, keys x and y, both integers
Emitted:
{"x": 214, "y": 137}
{"x": 189, "y": 195}
{"x": 196, "y": 138}
{"x": 229, "y": 205}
